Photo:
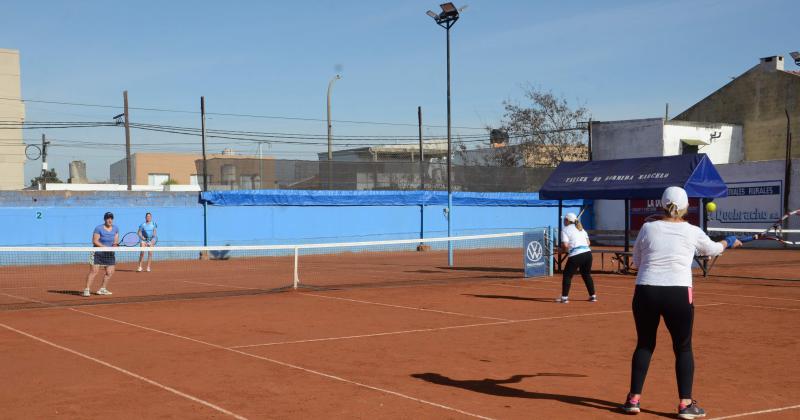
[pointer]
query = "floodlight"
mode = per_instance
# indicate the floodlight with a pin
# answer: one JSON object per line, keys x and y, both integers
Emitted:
{"x": 449, "y": 10}
{"x": 432, "y": 14}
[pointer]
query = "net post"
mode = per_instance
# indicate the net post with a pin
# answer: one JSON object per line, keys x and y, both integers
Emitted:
{"x": 296, "y": 276}
{"x": 549, "y": 231}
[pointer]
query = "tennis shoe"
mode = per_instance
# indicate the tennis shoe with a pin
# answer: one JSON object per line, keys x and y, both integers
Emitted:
{"x": 562, "y": 299}
{"x": 86, "y": 293}
{"x": 593, "y": 298}
{"x": 139, "y": 270}
{"x": 691, "y": 411}
{"x": 631, "y": 406}
{"x": 103, "y": 291}
{"x": 148, "y": 269}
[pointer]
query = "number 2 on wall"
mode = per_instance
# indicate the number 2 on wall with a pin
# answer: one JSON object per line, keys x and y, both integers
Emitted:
{"x": 38, "y": 215}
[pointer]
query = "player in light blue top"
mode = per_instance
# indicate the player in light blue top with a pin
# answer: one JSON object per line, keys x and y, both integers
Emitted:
{"x": 148, "y": 238}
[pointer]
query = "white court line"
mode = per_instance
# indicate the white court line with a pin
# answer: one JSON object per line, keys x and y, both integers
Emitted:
{"x": 753, "y": 413}
{"x": 454, "y": 327}
{"x": 404, "y": 307}
{"x": 126, "y": 372}
{"x": 21, "y": 298}
{"x": 289, "y": 365}
{"x": 621, "y": 294}
{"x": 698, "y": 293}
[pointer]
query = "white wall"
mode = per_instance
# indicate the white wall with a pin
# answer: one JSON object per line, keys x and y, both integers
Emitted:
{"x": 12, "y": 148}
{"x": 627, "y": 139}
{"x": 118, "y": 187}
{"x": 726, "y": 145}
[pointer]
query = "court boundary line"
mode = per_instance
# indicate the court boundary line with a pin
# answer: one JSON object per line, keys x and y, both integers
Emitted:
{"x": 286, "y": 364}
{"x": 777, "y": 308}
{"x": 700, "y": 293}
{"x": 452, "y": 327}
{"x": 753, "y": 413}
{"x": 125, "y": 371}
{"x": 405, "y": 307}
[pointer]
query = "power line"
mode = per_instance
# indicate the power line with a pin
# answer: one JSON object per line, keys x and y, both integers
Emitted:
{"x": 229, "y": 114}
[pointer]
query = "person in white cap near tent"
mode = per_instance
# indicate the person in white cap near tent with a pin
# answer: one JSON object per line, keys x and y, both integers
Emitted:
{"x": 575, "y": 242}
{"x": 663, "y": 253}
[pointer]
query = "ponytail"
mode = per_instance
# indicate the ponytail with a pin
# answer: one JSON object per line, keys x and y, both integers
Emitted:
{"x": 672, "y": 211}
{"x": 579, "y": 225}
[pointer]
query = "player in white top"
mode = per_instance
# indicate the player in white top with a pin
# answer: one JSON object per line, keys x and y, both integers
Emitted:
{"x": 663, "y": 254}
{"x": 575, "y": 242}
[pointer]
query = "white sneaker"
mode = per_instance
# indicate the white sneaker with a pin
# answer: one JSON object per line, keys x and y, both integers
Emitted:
{"x": 139, "y": 270}
{"x": 148, "y": 269}
{"x": 86, "y": 293}
{"x": 103, "y": 291}
{"x": 562, "y": 299}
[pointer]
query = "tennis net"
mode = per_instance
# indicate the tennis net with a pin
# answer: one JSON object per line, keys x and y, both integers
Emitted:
{"x": 50, "y": 276}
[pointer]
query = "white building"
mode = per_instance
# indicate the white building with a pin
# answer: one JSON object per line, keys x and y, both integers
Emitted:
{"x": 651, "y": 137}
{"x": 723, "y": 143}
{"x": 12, "y": 148}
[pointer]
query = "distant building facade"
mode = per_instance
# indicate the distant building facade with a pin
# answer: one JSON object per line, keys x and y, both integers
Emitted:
{"x": 12, "y": 148}
{"x": 757, "y": 100}
{"x": 156, "y": 169}
{"x": 649, "y": 137}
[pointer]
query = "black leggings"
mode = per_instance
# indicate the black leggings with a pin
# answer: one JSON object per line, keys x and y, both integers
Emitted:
{"x": 674, "y": 303}
{"x": 582, "y": 262}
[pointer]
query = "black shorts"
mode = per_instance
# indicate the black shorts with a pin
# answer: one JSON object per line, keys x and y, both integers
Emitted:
{"x": 103, "y": 258}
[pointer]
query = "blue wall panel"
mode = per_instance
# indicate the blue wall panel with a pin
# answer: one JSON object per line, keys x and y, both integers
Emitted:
{"x": 69, "y": 220}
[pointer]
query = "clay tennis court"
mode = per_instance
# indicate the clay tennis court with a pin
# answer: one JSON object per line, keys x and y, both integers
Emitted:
{"x": 404, "y": 339}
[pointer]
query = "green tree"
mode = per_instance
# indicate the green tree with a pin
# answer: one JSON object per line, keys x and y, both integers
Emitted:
{"x": 47, "y": 177}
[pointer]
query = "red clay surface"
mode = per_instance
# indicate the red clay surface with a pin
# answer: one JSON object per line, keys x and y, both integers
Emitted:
{"x": 426, "y": 342}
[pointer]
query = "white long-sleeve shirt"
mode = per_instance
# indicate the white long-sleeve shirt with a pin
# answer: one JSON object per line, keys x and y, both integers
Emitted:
{"x": 664, "y": 252}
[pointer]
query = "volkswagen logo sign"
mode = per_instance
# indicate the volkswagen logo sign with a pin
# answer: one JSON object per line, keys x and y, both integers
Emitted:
{"x": 534, "y": 251}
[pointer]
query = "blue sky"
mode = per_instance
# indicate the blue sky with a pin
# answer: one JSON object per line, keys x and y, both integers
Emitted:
{"x": 620, "y": 59}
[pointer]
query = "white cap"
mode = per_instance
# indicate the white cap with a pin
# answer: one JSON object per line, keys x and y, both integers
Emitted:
{"x": 675, "y": 195}
{"x": 571, "y": 217}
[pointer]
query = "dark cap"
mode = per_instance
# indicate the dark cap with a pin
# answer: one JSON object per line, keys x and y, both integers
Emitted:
{"x": 108, "y": 215}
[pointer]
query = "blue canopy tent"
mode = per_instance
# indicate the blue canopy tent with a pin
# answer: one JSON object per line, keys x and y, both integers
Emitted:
{"x": 626, "y": 179}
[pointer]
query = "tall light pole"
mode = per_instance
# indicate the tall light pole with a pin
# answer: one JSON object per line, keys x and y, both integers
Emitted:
{"x": 330, "y": 131}
{"x": 446, "y": 20}
{"x": 330, "y": 127}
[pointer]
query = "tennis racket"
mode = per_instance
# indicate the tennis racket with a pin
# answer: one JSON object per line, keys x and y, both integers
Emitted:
{"x": 129, "y": 239}
{"x": 774, "y": 232}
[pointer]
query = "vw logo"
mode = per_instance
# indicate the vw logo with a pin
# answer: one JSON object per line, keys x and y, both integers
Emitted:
{"x": 534, "y": 251}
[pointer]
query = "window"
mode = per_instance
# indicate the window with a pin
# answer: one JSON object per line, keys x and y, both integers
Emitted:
{"x": 246, "y": 182}
{"x": 228, "y": 174}
{"x": 157, "y": 179}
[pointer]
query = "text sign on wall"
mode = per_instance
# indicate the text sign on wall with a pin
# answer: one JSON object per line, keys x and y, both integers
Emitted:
{"x": 642, "y": 209}
{"x": 755, "y": 202}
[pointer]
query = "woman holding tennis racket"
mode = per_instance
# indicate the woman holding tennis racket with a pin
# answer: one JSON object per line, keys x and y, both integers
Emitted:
{"x": 147, "y": 239}
{"x": 575, "y": 242}
{"x": 105, "y": 235}
{"x": 663, "y": 253}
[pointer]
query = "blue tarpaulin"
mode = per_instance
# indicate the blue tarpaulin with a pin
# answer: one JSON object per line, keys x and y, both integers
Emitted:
{"x": 623, "y": 179}
{"x": 371, "y": 198}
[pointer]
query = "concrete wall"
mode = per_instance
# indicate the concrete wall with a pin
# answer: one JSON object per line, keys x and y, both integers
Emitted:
{"x": 36, "y": 218}
{"x": 726, "y": 145}
{"x": 12, "y": 148}
{"x": 627, "y": 139}
{"x": 756, "y": 100}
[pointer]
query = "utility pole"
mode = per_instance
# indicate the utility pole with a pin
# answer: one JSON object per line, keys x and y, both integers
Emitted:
{"x": 421, "y": 151}
{"x": 44, "y": 162}
{"x": 330, "y": 133}
{"x": 127, "y": 139}
{"x": 204, "y": 254}
{"x": 589, "y": 143}
{"x": 788, "y": 174}
{"x": 203, "y": 140}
